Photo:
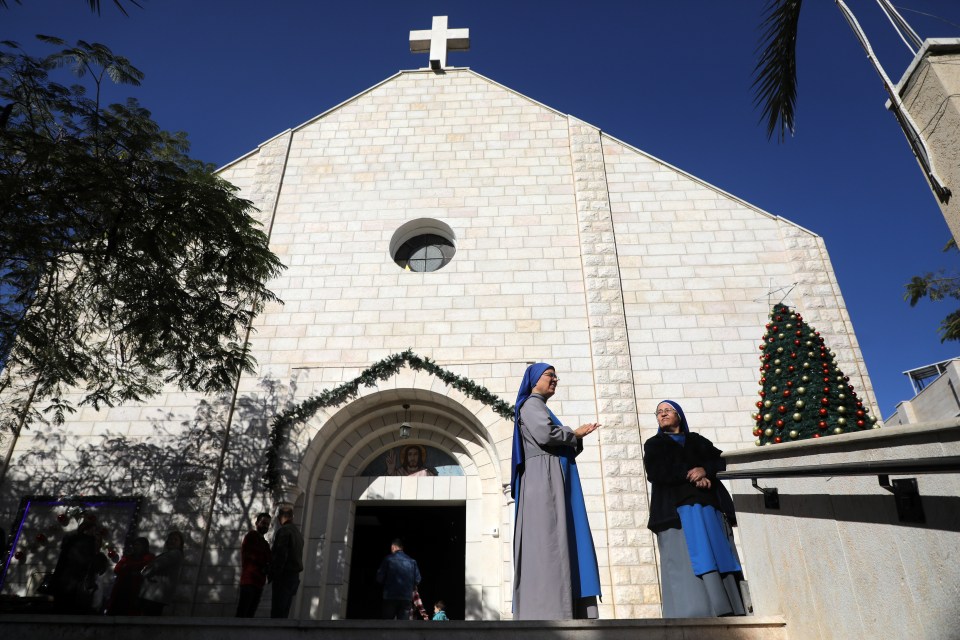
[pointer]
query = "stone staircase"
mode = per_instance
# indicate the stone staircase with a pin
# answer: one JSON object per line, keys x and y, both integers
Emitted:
{"x": 44, "y": 627}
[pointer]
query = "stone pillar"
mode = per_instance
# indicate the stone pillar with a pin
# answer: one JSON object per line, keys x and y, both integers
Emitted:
{"x": 633, "y": 575}
{"x": 930, "y": 90}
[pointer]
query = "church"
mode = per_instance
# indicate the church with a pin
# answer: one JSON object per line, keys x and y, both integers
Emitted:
{"x": 441, "y": 232}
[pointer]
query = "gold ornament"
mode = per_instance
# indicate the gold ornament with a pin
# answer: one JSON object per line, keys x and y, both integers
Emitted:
{"x": 768, "y": 432}
{"x": 768, "y": 417}
{"x": 841, "y": 409}
{"x": 838, "y": 430}
{"x": 801, "y": 390}
{"x": 794, "y": 434}
{"x": 797, "y": 417}
{"x": 841, "y": 420}
{"x": 768, "y": 403}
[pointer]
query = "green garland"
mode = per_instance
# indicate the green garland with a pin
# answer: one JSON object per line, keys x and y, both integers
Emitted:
{"x": 285, "y": 421}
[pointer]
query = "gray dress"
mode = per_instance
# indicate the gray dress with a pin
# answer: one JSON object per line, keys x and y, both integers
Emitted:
{"x": 543, "y": 580}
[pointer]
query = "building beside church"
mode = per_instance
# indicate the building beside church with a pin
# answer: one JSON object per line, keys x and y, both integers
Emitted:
{"x": 441, "y": 213}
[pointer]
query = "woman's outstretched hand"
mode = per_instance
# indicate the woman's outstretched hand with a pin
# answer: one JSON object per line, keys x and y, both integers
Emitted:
{"x": 586, "y": 429}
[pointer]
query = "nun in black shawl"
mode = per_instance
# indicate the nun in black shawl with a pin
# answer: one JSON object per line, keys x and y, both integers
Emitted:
{"x": 691, "y": 513}
{"x": 554, "y": 561}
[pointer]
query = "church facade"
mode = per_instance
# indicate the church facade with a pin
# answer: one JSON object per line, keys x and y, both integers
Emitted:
{"x": 442, "y": 214}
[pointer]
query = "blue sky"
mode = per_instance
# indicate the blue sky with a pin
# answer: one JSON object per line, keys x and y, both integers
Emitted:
{"x": 671, "y": 78}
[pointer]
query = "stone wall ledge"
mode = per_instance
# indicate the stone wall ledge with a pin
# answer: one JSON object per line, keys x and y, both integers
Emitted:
{"x": 885, "y": 439}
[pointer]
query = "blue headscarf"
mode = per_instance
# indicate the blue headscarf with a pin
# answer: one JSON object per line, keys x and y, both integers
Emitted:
{"x": 684, "y": 427}
{"x": 530, "y": 378}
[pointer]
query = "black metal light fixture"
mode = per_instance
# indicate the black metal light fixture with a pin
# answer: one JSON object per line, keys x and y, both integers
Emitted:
{"x": 405, "y": 427}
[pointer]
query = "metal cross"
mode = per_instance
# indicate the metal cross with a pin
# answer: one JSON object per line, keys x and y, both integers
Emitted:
{"x": 773, "y": 292}
{"x": 438, "y": 41}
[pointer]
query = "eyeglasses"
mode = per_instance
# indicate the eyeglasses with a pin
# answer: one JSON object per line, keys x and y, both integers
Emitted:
{"x": 551, "y": 375}
{"x": 664, "y": 412}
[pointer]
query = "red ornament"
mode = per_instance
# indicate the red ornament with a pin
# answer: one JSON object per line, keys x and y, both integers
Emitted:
{"x": 786, "y": 393}
{"x": 767, "y": 326}
{"x": 762, "y": 347}
{"x": 766, "y": 367}
{"x": 823, "y": 412}
{"x": 782, "y": 409}
{"x": 778, "y": 439}
{"x": 822, "y": 424}
{"x": 779, "y": 424}
{"x": 778, "y": 319}
{"x": 763, "y": 381}
{"x": 762, "y": 393}
{"x": 63, "y": 519}
{"x": 816, "y": 435}
{"x": 790, "y": 368}
{"x": 18, "y": 555}
{"x": 825, "y": 379}
{"x": 759, "y": 404}
{"x": 789, "y": 383}
{"x": 793, "y": 355}
{"x": 824, "y": 401}
{"x": 861, "y": 413}
{"x": 860, "y": 423}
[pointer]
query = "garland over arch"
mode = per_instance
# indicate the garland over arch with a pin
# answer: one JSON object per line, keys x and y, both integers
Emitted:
{"x": 388, "y": 367}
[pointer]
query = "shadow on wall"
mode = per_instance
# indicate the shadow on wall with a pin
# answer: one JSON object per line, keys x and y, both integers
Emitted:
{"x": 174, "y": 469}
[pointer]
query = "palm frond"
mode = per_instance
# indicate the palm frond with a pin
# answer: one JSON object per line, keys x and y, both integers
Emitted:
{"x": 775, "y": 76}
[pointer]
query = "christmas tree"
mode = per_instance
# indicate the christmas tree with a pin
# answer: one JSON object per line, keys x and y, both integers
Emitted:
{"x": 803, "y": 393}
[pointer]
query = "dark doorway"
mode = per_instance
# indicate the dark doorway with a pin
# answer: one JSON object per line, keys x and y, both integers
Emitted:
{"x": 433, "y": 536}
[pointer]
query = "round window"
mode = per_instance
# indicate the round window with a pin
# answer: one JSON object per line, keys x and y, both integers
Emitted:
{"x": 423, "y": 245}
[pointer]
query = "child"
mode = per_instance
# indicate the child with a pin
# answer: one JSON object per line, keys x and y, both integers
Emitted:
{"x": 438, "y": 612}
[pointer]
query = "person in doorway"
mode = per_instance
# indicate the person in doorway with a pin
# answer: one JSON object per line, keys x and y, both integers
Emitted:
{"x": 417, "y": 610}
{"x": 556, "y": 576}
{"x": 439, "y": 612}
{"x": 413, "y": 459}
{"x": 691, "y": 514}
{"x": 287, "y": 563}
{"x": 160, "y": 576}
{"x": 254, "y": 567}
{"x": 399, "y": 575}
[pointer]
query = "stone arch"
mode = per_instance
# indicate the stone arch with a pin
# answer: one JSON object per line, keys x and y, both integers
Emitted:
{"x": 329, "y": 487}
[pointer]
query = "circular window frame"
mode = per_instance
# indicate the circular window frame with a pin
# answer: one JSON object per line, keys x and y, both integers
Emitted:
{"x": 422, "y": 227}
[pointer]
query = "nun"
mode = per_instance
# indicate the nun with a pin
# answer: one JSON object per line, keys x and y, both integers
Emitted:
{"x": 554, "y": 560}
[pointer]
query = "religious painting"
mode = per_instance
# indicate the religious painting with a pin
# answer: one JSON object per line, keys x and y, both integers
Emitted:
{"x": 413, "y": 460}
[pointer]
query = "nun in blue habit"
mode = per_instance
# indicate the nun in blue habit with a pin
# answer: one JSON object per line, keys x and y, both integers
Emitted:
{"x": 554, "y": 560}
{"x": 691, "y": 514}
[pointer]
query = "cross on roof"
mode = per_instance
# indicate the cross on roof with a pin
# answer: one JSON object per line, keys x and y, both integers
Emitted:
{"x": 438, "y": 41}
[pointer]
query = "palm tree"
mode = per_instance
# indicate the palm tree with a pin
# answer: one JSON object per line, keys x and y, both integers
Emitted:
{"x": 775, "y": 75}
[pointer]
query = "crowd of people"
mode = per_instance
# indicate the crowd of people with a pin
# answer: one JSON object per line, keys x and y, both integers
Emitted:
{"x": 556, "y": 574}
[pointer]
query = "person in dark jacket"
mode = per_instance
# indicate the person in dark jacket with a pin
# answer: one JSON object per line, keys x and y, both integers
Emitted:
{"x": 255, "y": 559}
{"x": 691, "y": 513}
{"x": 74, "y": 577}
{"x": 399, "y": 575}
{"x": 287, "y": 563}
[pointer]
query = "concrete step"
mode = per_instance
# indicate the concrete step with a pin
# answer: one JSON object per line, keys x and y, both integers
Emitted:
{"x": 30, "y": 627}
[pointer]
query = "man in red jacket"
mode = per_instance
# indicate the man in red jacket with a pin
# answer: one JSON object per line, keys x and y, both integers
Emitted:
{"x": 255, "y": 567}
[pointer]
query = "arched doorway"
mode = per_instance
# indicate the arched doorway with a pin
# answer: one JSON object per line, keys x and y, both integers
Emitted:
{"x": 347, "y": 513}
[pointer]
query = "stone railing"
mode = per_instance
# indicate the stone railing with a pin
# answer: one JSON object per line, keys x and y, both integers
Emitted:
{"x": 839, "y": 557}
